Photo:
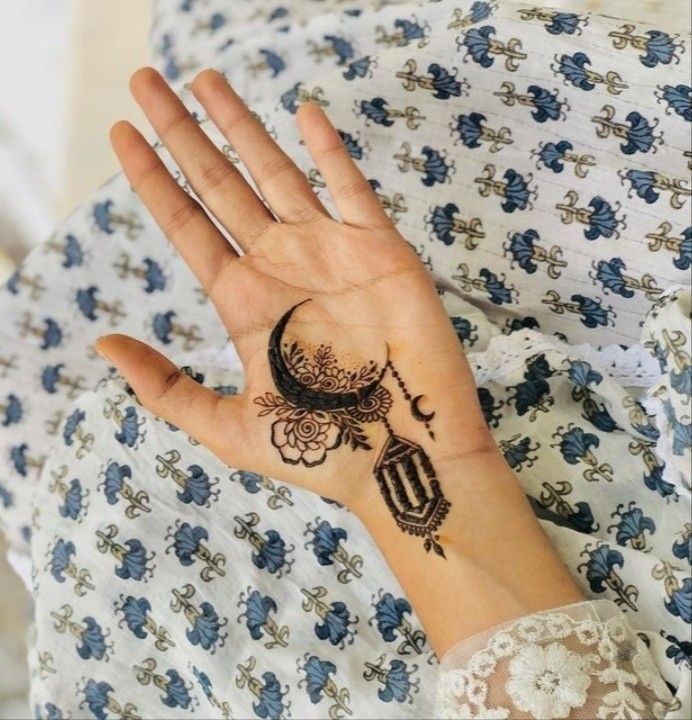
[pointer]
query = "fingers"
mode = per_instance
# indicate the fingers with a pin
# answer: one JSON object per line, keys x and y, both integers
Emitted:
{"x": 214, "y": 420}
{"x": 181, "y": 218}
{"x": 278, "y": 179}
{"x": 350, "y": 191}
{"x": 214, "y": 178}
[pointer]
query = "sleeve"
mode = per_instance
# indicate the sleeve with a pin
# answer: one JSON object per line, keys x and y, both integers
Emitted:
{"x": 582, "y": 660}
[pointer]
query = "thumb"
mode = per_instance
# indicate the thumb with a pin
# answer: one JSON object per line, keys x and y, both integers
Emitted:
{"x": 215, "y": 420}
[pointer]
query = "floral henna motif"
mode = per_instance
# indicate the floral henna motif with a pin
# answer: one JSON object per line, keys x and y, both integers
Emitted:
{"x": 323, "y": 405}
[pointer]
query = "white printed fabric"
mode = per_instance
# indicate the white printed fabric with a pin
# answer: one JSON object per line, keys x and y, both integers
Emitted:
{"x": 538, "y": 161}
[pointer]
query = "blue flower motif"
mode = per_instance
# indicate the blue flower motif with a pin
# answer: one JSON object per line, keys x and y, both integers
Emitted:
{"x": 289, "y": 99}
{"x": 517, "y": 452}
{"x": 163, "y": 325}
{"x": 61, "y": 558}
{"x": 546, "y": 105}
{"x": 463, "y": 328}
{"x": 572, "y": 67}
{"x": 257, "y": 609}
{"x": 552, "y": 155}
{"x": 563, "y": 23}
{"x": 640, "y": 136}
{"x": 93, "y": 641}
{"x": 582, "y": 520}
{"x": 530, "y": 392}
{"x": 679, "y": 603}
{"x": 600, "y": 564}
{"x": 272, "y": 554}
{"x": 581, "y": 374}
{"x": 517, "y": 192}
{"x": 52, "y": 334}
{"x": 376, "y": 110}
{"x": 681, "y": 381}
{"x": 6, "y": 497}
{"x": 19, "y": 459}
{"x": 592, "y": 312}
{"x": 445, "y": 84}
{"x": 86, "y": 300}
{"x": 389, "y": 615}
{"x": 470, "y": 129}
{"x": 480, "y": 10}
{"x": 477, "y": 44}
{"x": 341, "y": 47}
{"x": 603, "y": 221}
{"x": 632, "y": 525}
{"x": 410, "y": 30}
{"x": 643, "y": 182}
{"x": 270, "y": 704}
{"x": 335, "y": 625}
{"x": 442, "y": 222}
{"x": 206, "y": 626}
{"x": 187, "y": 541}
{"x": 654, "y": 481}
{"x": 679, "y": 99}
{"x": 197, "y": 486}
{"x": 101, "y": 213}
{"x": 488, "y": 407}
{"x": 153, "y": 275}
{"x": 177, "y": 694}
{"x": 435, "y": 169}
{"x": 498, "y": 292}
{"x": 71, "y": 424}
{"x": 355, "y": 150}
{"x": 358, "y": 68}
{"x": 250, "y": 481}
{"x": 274, "y": 61}
{"x": 684, "y": 258}
{"x": 660, "y": 48}
{"x": 50, "y": 377}
{"x": 325, "y": 542}
{"x": 133, "y": 564}
{"x": 204, "y": 681}
{"x": 397, "y": 685}
{"x": 129, "y": 428}
{"x": 680, "y": 651}
{"x": 135, "y": 611}
{"x": 317, "y": 674}
{"x": 521, "y": 249}
{"x": 50, "y": 712}
{"x": 72, "y": 506}
{"x": 115, "y": 477}
{"x": 576, "y": 443}
{"x": 96, "y": 697}
{"x": 609, "y": 273}
{"x": 682, "y": 549}
{"x": 12, "y": 410}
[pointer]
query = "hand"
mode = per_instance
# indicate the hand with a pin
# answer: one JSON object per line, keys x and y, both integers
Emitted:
{"x": 367, "y": 350}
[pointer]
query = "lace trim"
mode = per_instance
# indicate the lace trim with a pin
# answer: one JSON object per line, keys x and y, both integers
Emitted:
{"x": 632, "y": 366}
{"x": 582, "y": 660}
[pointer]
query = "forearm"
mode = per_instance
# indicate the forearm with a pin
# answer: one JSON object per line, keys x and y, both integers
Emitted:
{"x": 499, "y": 563}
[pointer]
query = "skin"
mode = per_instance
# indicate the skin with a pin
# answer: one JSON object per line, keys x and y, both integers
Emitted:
{"x": 367, "y": 287}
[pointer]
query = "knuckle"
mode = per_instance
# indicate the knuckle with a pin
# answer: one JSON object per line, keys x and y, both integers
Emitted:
{"x": 352, "y": 189}
{"x": 168, "y": 385}
{"x": 180, "y": 218}
{"x": 214, "y": 175}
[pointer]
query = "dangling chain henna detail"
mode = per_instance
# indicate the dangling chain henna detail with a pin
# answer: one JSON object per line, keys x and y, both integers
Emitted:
{"x": 321, "y": 406}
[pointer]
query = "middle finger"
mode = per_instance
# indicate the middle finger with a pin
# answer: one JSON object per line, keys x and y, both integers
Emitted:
{"x": 212, "y": 176}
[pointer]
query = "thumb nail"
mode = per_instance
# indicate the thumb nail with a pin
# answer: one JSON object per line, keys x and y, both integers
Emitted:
{"x": 100, "y": 351}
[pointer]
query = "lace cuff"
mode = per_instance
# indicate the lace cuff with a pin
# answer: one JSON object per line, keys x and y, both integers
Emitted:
{"x": 582, "y": 660}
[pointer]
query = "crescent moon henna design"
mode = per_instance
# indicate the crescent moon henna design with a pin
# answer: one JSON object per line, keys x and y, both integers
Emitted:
{"x": 322, "y": 405}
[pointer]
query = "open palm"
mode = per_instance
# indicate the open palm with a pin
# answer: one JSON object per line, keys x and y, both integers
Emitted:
{"x": 341, "y": 333}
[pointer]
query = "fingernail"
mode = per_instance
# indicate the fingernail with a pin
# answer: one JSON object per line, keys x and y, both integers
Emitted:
{"x": 100, "y": 351}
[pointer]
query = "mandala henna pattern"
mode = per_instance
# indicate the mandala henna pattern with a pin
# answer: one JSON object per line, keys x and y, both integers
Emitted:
{"x": 322, "y": 405}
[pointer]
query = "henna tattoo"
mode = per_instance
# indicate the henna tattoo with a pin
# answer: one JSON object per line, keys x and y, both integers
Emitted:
{"x": 322, "y": 405}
